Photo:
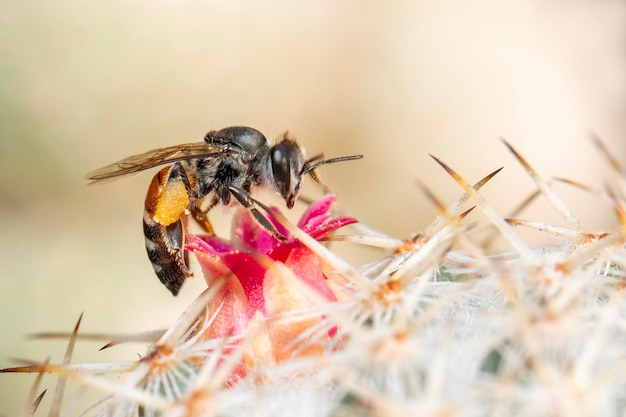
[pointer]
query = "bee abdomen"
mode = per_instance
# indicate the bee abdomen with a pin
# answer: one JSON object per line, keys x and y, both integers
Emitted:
{"x": 168, "y": 258}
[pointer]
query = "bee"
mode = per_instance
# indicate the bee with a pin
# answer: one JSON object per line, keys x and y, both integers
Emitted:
{"x": 228, "y": 162}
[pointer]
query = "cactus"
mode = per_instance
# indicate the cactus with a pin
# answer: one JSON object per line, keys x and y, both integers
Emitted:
{"x": 441, "y": 325}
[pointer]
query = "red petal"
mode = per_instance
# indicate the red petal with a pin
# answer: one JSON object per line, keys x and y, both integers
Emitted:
{"x": 215, "y": 255}
{"x": 250, "y": 275}
{"x": 306, "y": 266}
{"x": 330, "y": 226}
{"x": 248, "y": 231}
{"x": 234, "y": 314}
{"x": 317, "y": 213}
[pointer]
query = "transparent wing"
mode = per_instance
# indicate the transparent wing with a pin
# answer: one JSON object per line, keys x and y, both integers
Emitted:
{"x": 161, "y": 156}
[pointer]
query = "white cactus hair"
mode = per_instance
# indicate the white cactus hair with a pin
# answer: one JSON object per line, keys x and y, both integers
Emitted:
{"x": 439, "y": 326}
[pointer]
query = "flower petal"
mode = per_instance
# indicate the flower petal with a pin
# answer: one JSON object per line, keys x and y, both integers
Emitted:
{"x": 317, "y": 213}
{"x": 246, "y": 229}
{"x": 306, "y": 266}
{"x": 330, "y": 226}
{"x": 217, "y": 258}
{"x": 286, "y": 336}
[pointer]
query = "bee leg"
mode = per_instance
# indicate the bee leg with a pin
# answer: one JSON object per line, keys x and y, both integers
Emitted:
{"x": 251, "y": 204}
{"x": 176, "y": 236}
{"x": 315, "y": 176}
{"x": 200, "y": 215}
{"x": 316, "y": 179}
{"x": 306, "y": 200}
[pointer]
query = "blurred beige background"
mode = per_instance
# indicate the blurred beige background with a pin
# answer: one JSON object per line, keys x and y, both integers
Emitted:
{"x": 85, "y": 83}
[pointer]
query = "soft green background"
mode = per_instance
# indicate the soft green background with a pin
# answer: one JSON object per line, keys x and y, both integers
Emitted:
{"x": 85, "y": 83}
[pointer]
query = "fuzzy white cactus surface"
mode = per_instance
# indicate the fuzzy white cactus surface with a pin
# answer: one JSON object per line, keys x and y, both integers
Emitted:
{"x": 439, "y": 326}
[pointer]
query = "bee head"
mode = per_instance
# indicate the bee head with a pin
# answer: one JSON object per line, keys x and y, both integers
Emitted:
{"x": 287, "y": 165}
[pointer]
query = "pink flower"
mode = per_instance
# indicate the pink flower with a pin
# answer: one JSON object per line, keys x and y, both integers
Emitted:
{"x": 260, "y": 272}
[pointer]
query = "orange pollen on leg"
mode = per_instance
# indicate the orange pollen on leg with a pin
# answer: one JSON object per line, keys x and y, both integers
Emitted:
{"x": 173, "y": 202}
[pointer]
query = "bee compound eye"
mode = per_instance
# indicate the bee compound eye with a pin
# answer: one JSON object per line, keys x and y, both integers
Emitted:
{"x": 281, "y": 169}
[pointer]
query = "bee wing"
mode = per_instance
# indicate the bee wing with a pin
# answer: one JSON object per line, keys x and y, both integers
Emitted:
{"x": 161, "y": 156}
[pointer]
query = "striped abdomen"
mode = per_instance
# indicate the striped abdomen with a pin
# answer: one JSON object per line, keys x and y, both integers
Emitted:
{"x": 169, "y": 195}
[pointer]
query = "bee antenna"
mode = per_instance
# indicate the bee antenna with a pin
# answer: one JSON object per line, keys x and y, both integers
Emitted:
{"x": 309, "y": 166}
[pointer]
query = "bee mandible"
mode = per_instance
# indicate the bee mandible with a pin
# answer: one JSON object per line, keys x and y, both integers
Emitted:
{"x": 228, "y": 162}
